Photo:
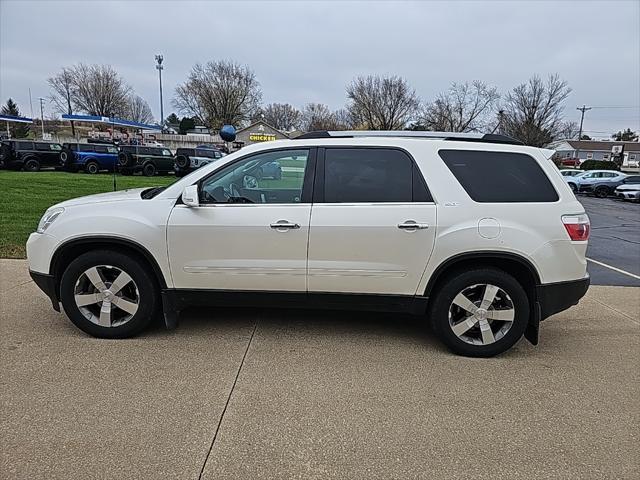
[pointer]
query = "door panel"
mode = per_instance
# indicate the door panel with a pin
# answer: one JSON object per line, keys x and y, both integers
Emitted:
{"x": 234, "y": 246}
{"x": 359, "y": 248}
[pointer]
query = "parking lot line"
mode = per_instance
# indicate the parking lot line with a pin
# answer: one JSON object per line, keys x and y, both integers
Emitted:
{"x": 624, "y": 272}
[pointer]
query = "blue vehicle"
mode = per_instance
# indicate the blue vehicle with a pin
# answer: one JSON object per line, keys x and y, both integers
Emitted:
{"x": 89, "y": 157}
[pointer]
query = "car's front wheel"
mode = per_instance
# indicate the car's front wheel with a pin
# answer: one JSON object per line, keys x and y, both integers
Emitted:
{"x": 480, "y": 313}
{"x": 108, "y": 294}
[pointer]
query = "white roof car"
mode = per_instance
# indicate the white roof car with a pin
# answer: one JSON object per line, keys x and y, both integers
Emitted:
{"x": 477, "y": 234}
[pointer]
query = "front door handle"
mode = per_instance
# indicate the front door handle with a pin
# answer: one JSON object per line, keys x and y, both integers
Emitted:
{"x": 412, "y": 225}
{"x": 284, "y": 225}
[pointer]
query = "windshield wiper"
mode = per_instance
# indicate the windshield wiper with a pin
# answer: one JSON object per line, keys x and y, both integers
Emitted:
{"x": 151, "y": 192}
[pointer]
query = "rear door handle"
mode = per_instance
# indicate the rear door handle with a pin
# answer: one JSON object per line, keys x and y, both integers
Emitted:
{"x": 284, "y": 225}
{"x": 413, "y": 225}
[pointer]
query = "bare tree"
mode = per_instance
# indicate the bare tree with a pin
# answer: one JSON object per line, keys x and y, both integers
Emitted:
{"x": 61, "y": 96}
{"x": 138, "y": 110}
{"x": 219, "y": 93}
{"x": 99, "y": 90}
{"x": 281, "y": 116}
{"x": 533, "y": 110}
{"x": 318, "y": 116}
{"x": 465, "y": 107}
{"x": 381, "y": 103}
{"x": 569, "y": 130}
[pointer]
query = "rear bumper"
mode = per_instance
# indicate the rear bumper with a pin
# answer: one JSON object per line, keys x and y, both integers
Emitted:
{"x": 556, "y": 297}
{"x": 47, "y": 283}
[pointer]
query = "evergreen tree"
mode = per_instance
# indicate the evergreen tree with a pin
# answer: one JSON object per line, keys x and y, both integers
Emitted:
{"x": 17, "y": 130}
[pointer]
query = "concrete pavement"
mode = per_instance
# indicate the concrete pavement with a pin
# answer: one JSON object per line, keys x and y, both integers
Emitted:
{"x": 308, "y": 394}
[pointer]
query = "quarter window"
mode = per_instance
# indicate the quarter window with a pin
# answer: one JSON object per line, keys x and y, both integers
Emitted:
{"x": 499, "y": 176}
{"x": 268, "y": 177}
{"x": 371, "y": 175}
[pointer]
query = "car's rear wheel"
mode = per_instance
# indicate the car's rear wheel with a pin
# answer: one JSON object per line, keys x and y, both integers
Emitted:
{"x": 601, "y": 192}
{"x": 31, "y": 165}
{"x": 573, "y": 186}
{"x": 149, "y": 170}
{"x": 108, "y": 294}
{"x": 92, "y": 168}
{"x": 480, "y": 313}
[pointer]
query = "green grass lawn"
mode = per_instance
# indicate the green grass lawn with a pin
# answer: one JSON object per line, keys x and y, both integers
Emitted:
{"x": 24, "y": 197}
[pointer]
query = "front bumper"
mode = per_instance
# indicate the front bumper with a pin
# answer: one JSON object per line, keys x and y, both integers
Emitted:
{"x": 556, "y": 297}
{"x": 628, "y": 195}
{"x": 47, "y": 283}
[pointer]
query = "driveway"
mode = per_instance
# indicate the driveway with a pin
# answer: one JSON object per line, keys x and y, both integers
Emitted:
{"x": 242, "y": 394}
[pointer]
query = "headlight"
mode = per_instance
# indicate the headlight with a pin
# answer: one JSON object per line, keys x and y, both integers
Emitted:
{"x": 48, "y": 218}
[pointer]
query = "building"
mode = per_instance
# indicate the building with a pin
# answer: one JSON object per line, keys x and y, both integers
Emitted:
{"x": 257, "y": 132}
{"x": 628, "y": 153}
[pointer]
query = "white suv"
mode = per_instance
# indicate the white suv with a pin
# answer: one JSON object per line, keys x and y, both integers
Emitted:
{"x": 477, "y": 233}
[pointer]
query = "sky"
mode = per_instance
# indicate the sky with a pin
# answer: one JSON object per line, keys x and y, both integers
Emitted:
{"x": 305, "y": 52}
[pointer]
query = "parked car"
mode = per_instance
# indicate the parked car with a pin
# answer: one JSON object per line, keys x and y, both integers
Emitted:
{"x": 629, "y": 189}
{"x": 601, "y": 183}
{"x": 478, "y": 234}
{"x": 28, "y": 155}
{"x": 146, "y": 160}
{"x": 190, "y": 159}
{"x": 571, "y": 172}
{"x": 570, "y": 162}
{"x": 89, "y": 157}
{"x": 628, "y": 192}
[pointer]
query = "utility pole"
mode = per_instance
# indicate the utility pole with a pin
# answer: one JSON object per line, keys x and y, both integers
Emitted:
{"x": 582, "y": 109}
{"x": 159, "y": 67}
{"x": 42, "y": 115}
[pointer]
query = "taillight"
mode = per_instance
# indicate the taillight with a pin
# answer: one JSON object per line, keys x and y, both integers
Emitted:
{"x": 577, "y": 226}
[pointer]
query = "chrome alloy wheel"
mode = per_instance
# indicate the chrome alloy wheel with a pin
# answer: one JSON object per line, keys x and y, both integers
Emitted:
{"x": 481, "y": 314}
{"x": 106, "y": 296}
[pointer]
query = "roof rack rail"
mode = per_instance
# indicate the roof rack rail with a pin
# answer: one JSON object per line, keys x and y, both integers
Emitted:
{"x": 459, "y": 136}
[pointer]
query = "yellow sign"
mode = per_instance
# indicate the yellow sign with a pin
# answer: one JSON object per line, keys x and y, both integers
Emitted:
{"x": 261, "y": 137}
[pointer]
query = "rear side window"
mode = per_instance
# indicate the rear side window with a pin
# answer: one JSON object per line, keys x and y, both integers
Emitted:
{"x": 24, "y": 145}
{"x": 44, "y": 147}
{"x": 355, "y": 175}
{"x": 501, "y": 177}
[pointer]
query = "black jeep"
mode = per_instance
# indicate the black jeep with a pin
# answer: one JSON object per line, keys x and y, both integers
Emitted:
{"x": 190, "y": 159}
{"x": 28, "y": 155}
{"x": 147, "y": 160}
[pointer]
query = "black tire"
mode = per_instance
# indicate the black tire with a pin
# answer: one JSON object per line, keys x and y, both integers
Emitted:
{"x": 602, "y": 192}
{"x": 574, "y": 189}
{"x": 182, "y": 161}
{"x": 149, "y": 170}
{"x": 125, "y": 159}
{"x": 146, "y": 288}
{"x": 456, "y": 283}
{"x": 31, "y": 164}
{"x": 92, "y": 167}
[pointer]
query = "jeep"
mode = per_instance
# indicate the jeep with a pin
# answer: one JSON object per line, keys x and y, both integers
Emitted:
{"x": 477, "y": 234}
{"x": 89, "y": 157}
{"x": 28, "y": 155}
{"x": 144, "y": 159}
{"x": 190, "y": 159}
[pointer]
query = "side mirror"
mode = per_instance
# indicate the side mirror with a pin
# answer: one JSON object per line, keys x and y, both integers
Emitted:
{"x": 190, "y": 196}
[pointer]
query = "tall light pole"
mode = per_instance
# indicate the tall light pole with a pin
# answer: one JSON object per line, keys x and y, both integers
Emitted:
{"x": 42, "y": 115}
{"x": 159, "y": 67}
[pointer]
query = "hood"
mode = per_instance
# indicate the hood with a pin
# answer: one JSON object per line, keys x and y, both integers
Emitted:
{"x": 117, "y": 196}
{"x": 632, "y": 187}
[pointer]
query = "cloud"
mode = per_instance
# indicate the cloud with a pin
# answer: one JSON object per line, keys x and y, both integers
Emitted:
{"x": 308, "y": 51}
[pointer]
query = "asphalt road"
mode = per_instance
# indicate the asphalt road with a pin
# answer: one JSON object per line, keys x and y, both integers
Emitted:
{"x": 251, "y": 394}
{"x": 614, "y": 240}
